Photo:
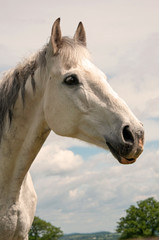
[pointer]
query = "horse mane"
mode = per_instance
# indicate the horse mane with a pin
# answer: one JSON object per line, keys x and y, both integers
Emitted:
{"x": 14, "y": 80}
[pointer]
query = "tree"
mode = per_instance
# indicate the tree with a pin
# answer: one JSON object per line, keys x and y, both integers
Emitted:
{"x": 42, "y": 230}
{"x": 142, "y": 220}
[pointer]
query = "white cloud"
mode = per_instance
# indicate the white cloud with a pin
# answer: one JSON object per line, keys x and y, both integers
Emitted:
{"x": 53, "y": 160}
{"x": 76, "y": 193}
{"x": 137, "y": 70}
{"x": 89, "y": 194}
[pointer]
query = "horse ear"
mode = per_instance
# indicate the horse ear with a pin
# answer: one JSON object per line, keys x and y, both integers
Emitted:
{"x": 80, "y": 34}
{"x": 56, "y": 36}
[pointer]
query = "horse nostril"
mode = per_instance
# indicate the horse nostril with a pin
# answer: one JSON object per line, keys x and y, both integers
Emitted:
{"x": 127, "y": 135}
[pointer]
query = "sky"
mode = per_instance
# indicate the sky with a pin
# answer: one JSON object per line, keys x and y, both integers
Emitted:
{"x": 82, "y": 188}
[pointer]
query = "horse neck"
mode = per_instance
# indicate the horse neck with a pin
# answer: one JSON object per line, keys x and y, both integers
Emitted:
{"x": 22, "y": 140}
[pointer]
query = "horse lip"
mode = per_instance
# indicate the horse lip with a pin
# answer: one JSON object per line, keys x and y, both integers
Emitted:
{"x": 121, "y": 159}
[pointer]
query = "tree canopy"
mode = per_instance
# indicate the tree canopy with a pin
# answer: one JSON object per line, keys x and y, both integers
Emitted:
{"x": 42, "y": 230}
{"x": 142, "y": 220}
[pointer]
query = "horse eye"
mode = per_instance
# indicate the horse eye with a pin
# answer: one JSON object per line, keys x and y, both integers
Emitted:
{"x": 71, "y": 80}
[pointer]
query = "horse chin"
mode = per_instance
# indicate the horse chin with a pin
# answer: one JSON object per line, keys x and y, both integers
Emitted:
{"x": 127, "y": 161}
{"x": 121, "y": 159}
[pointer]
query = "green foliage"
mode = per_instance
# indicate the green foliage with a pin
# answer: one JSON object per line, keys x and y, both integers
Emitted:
{"x": 42, "y": 230}
{"x": 140, "y": 221}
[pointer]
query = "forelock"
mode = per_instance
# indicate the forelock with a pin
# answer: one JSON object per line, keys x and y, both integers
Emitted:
{"x": 72, "y": 53}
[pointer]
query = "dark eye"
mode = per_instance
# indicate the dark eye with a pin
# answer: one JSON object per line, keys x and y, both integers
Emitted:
{"x": 71, "y": 80}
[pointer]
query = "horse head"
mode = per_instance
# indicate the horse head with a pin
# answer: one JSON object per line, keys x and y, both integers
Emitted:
{"x": 79, "y": 102}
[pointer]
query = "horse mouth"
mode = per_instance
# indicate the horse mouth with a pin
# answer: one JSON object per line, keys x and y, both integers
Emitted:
{"x": 122, "y": 160}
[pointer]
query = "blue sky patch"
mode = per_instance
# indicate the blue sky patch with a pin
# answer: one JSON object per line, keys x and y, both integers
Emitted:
{"x": 86, "y": 152}
{"x": 152, "y": 145}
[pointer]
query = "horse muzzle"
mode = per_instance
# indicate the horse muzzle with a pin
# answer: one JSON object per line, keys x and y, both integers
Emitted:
{"x": 129, "y": 146}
